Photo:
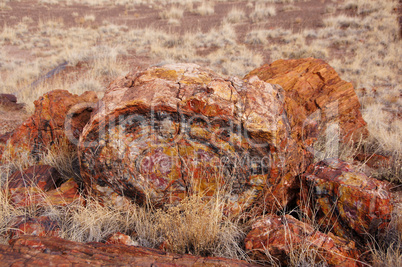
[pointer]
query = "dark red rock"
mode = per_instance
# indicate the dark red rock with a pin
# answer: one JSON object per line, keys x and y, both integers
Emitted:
{"x": 280, "y": 236}
{"x": 46, "y": 251}
{"x": 9, "y": 102}
{"x": 38, "y": 226}
{"x": 7, "y": 99}
{"x": 64, "y": 195}
{"x": 346, "y": 201}
{"x": 374, "y": 161}
{"x": 44, "y": 177}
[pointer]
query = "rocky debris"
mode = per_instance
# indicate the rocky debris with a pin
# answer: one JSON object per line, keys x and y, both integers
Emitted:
{"x": 277, "y": 237}
{"x": 64, "y": 195}
{"x": 9, "y": 102}
{"x": 7, "y": 99}
{"x": 171, "y": 131}
{"x": 46, "y": 127}
{"x": 315, "y": 99}
{"x": 44, "y": 177}
{"x": 45, "y": 251}
{"x": 37, "y": 226}
{"x": 346, "y": 201}
{"x": 119, "y": 238}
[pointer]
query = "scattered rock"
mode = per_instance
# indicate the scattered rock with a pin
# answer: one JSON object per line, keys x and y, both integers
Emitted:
{"x": 174, "y": 130}
{"x": 46, "y": 127}
{"x": 348, "y": 202}
{"x": 44, "y": 177}
{"x": 277, "y": 237}
{"x": 7, "y": 99}
{"x": 45, "y": 251}
{"x": 315, "y": 99}
{"x": 119, "y": 238}
{"x": 64, "y": 195}
{"x": 37, "y": 226}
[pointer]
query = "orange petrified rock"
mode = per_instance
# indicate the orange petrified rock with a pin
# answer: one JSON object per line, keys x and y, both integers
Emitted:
{"x": 46, "y": 127}
{"x": 315, "y": 96}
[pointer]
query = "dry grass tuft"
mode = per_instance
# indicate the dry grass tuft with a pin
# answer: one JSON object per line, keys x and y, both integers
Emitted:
{"x": 205, "y": 9}
{"x": 235, "y": 15}
{"x": 262, "y": 12}
{"x": 175, "y": 12}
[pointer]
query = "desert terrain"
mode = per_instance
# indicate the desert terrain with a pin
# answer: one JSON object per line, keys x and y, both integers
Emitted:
{"x": 86, "y": 45}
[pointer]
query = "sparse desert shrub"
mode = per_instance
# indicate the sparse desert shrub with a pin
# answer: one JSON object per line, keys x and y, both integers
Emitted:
{"x": 257, "y": 37}
{"x": 199, "y": 227}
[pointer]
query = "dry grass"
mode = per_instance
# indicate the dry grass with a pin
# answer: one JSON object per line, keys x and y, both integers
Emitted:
{"x": 205, "y": 9}
{"x": 387, "y": 250}
{"x": 262, "y": 12}
{"x": 235, "y": 15}
{"x": 196, "y": 225}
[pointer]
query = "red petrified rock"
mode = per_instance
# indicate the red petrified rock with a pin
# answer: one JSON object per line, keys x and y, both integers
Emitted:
{"x": 348, "y": 202}
{"x": 277, "y": 237}
{"x": 45, "y": 251}
{"x": 374, "y": 161}
{"x": 174, "y": 130}
{"x": 315, "y": 97}
{"x": 38, "y": 226}
{"x": 44, "y": 177}
{"x": 66, "y": 194}
{"x": 46, "y": 127}
{"x": 119, "y": 238}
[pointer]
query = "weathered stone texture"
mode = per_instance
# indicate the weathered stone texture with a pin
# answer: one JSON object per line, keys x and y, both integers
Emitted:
{"x": 174, "y": 130}
{"x": 52, "y": 251}
{"x": 346, "y": 201}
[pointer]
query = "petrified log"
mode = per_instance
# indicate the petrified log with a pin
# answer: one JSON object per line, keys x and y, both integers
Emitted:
{"x": 170, "y": 131}
{"x": 45, "y": 251}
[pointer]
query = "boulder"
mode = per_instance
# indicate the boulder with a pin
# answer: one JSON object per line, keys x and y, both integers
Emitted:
{"x": 174, "y": 130}
{"x": 317, "y": 101}
{"x": 280, "y": 237}
{"x": 46, "y": 251}
{"x": 64, "y": 195}
{"x": 346, "y": 201}
{"x": 47, "y": 128}
{"x": 38, "y": 226}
